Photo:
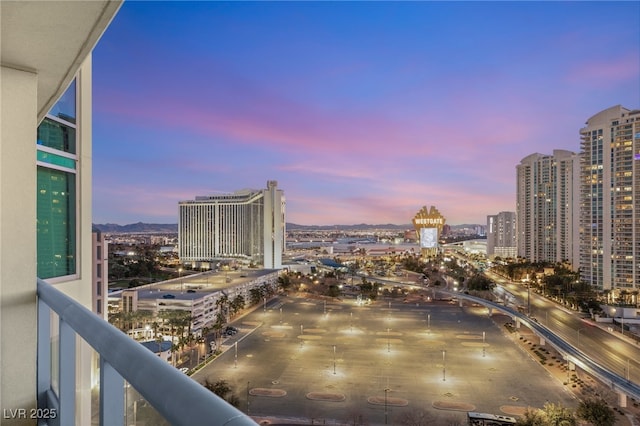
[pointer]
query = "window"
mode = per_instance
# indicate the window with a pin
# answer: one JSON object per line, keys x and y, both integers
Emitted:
{"x": 56, "y": 227}
{"x": 56, "y": 196}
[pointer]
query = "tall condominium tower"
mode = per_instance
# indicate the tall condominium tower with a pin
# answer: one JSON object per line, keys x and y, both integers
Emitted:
{"x": 247, "y": 224}
{"x": 501, "y": 235}
{"x": 610, "y": 199}
{"x": 545, "y": 207}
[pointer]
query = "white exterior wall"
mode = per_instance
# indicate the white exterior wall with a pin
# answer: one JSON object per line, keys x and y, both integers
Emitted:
{"x": 610, "y": 199}
{"x": 18, "y": 112}
{"x": 274, "y": 226}
{"x": 545, "y": 203}
{"x": 245, "y": 224}
{"x": 18, "y": 261}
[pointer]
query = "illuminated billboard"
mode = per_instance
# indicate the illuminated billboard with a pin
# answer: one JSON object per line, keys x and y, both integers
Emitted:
{"x": 428, "y": 237}
{"x": 428, "y": 224}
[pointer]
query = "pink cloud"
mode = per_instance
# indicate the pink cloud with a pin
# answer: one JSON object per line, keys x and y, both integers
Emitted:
{"x": 606, "y": 73}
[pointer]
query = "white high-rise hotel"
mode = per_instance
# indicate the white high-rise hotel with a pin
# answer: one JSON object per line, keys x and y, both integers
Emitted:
{"x": 248, "y": 224}
{"x": 545, "y": 207}
{"x": 585, "y": 208}
{"x": 610, "y": 199}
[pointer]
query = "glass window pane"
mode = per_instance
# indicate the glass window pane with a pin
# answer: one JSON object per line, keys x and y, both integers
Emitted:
{"x": 57, "y": 136}
{"x": 65, "y": 108}
{"x": 56, "y": 160}
{"x": 56, "y": 223}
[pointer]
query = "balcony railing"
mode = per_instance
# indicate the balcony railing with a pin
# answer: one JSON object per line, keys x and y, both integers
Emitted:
{"x": 178, "y": 398}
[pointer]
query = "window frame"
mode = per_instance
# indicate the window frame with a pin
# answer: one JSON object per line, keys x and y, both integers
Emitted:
{"x": 75, "y": 171}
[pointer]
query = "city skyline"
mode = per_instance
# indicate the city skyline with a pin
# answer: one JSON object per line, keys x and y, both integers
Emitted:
{"x": 363, "y": 112}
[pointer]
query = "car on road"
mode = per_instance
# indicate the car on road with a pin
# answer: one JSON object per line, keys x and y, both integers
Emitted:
{"x": 184, "y": 370}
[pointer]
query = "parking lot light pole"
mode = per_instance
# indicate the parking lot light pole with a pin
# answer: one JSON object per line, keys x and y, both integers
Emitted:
{"x": 386, "y": 390}
{"x": 444, "y": 366}
{"x": 483, "y": 347}
{"x": 334, "y": 359}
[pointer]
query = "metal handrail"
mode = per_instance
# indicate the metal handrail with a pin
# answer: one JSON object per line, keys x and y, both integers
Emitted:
{"x": 178, "y": 398}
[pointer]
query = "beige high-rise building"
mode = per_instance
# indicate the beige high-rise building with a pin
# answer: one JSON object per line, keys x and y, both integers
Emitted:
{"x": 546, "y": 207}
{"x": 501, "y": 235}
{"x": 610, "y": 199}
{"x": 246, "y": 224}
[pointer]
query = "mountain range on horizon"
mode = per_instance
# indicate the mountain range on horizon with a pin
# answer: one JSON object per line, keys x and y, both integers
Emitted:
{"x": 141, "y": 227}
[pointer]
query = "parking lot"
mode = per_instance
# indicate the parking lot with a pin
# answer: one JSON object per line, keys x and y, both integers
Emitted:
{"x": 338, "y": 362}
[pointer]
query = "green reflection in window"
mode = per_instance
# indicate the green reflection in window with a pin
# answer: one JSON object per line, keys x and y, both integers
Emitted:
{"x": 56, "y": 160}
{"x": 57, "y": 136}
{"x": 56, "y": 223}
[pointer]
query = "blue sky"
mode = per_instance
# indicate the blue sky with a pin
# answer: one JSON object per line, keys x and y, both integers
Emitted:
{"x": 362, "y": 111}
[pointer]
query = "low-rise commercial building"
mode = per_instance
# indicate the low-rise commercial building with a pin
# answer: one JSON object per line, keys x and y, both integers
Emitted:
{"x": 203, "y": 296}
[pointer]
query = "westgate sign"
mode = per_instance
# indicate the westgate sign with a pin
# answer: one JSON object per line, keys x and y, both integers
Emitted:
{"x": 429, "y": 221}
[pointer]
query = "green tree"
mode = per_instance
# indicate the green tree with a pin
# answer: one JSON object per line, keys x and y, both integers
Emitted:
{"x": 333, "y": 291}
{"x": 237, "y": 304}
{"x": 284, "y": 281}
{"x": 550, "y": 415}
{"x": 256, "y": 295}
{"x": 596, "y": 412}
{"x": 480, "y": 283}
{"x": 223, "y": 390}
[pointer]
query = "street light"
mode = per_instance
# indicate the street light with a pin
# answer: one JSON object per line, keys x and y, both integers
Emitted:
{"x": 579, "y": 336}
{"x": 248, "y": 383}
{"x": 444, "y": 366}
{"x": 334, "y": 359}
{"x": 483, "y": 347}
{"x": 235, "y": 362}
{"x": 386, "y": 390}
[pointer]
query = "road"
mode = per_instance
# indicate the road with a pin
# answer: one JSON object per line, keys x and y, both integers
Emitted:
{"x": 606, "y": 348}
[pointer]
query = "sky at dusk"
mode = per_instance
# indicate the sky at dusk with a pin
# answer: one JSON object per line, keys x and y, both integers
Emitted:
{"x": 362, "y": 111}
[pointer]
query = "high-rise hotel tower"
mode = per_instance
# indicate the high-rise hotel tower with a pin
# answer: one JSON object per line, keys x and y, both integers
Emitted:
{"x": 501, "y": 235}
{"x": 610, "y": 199}
{"x": 248, "y": 224}
{"x": 546, "y": 206}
